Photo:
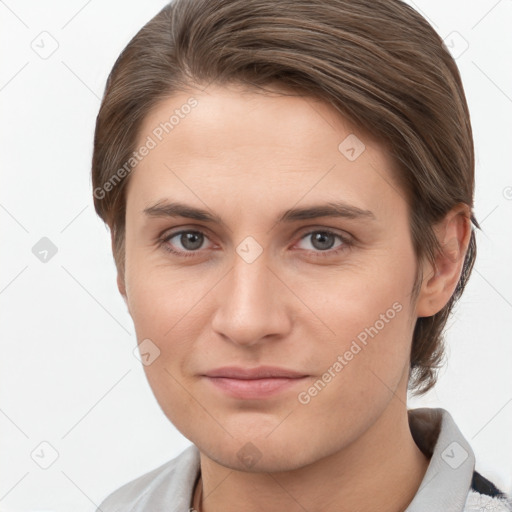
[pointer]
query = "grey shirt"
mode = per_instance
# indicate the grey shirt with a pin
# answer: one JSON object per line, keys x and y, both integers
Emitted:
{"x": 450, "y": 484}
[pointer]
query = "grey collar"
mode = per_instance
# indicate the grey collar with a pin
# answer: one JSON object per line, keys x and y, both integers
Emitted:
{"x": 447, "y": 482}
{"x": 445, "y": 486}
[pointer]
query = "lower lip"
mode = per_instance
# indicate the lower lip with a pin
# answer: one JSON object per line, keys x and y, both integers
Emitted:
{"x": 254, "y": 388}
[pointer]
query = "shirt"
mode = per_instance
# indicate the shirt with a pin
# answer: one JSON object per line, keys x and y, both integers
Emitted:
{"x": 450, "y": 483}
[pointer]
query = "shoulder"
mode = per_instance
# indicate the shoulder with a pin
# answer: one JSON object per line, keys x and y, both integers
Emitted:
{"x": 168, "y": 487}
{"x": 484, "y": 495}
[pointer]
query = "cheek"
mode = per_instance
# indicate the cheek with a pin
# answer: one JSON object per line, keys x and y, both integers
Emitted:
{"x": 367, "y": 325}
{"x": 368, "y": 297}
{"x": 162, "y": 311}
{"x": 168, "y": 307}
{"x": 166, "y": 304}
{"x": 363, "y": 367}
{"x": 370, "y": 350}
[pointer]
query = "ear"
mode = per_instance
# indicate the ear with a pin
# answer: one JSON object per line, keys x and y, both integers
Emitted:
{"x": 121, "y": 286}
{"x": 439, "y": 283}
{"x": 120, "y": 277}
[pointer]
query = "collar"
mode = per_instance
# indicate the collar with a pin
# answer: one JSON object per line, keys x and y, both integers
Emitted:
{"x": 447, "y": 482}
{"x": 445, "y": 486}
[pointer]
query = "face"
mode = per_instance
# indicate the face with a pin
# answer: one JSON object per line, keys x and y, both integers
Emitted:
{"x": 301, "y": 259}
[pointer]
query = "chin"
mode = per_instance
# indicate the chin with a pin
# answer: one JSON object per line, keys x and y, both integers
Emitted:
{"x": 251, "y": 454}
{"x": 248, "y": 460}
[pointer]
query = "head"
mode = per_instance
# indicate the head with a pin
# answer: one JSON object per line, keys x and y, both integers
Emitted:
{"x": 250, "y": 109}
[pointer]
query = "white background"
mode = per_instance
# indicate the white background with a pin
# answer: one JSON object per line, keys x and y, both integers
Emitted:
{"x": 68, "y": 373}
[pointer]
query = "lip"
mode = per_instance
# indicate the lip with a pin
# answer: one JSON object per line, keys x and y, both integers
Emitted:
{"x": 253, "y": 383}
{"x": 260, "y": 372}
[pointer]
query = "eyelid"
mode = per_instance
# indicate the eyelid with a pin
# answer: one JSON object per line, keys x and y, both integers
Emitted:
{"x": 347, "y": 243}
{"x": 167, "y": 235}
{"x": 333, "y": 231}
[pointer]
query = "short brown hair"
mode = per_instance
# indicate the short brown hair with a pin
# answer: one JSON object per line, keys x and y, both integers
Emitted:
{"x": 378, "y": 62}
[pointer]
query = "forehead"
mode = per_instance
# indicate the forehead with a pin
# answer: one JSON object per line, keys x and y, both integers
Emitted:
{"x": 234, "y": 116}
{"x": 245, "y": 144}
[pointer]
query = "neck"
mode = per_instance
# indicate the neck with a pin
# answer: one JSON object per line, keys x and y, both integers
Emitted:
{"x": 382, "y": 470}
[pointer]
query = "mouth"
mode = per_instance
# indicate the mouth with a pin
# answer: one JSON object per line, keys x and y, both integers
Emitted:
{"x": 254, "y": 383}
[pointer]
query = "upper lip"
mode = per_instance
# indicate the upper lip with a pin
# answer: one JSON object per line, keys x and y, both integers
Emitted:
{"x": 260, "y": 372}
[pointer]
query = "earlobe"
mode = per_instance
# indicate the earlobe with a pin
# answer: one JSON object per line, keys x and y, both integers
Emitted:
{"x": 121, "y": 286}
{"x": 439, "y": 283}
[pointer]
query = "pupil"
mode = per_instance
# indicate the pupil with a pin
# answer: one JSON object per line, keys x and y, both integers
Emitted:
{"x": 188, "y": 238}
{"x": 322, "y": 236}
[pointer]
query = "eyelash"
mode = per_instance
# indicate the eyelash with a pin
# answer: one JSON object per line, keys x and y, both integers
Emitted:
{"x": 347, "y": 243}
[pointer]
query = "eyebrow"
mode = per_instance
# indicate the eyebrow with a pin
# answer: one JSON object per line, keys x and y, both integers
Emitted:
{"x": 331, "y": 209}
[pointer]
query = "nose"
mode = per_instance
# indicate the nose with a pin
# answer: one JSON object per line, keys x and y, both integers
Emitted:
{"x": 252, "y": 304}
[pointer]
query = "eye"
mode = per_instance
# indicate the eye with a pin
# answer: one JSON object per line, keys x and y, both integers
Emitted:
{"x": 191, "y": 241}
{"x": 323, "y": 241}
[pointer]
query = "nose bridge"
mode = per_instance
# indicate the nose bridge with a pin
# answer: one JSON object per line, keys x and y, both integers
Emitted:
{"x": 250, "y": 277}
{"x": 249, "y": 308}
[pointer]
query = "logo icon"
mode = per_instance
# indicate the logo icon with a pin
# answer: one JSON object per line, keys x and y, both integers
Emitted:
{"x": 44, "y": 250}
{"x": 45, "y": 45}
{"x": 454, "y": 455}
{"x": 351, "y": 147}
{"x": 44, "y": 455}
{"x": 249, "y": 249}
{"x": 146, "y": 352}
{"x": 249, "y": 455}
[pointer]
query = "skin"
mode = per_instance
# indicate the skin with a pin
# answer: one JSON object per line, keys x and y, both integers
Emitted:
{"x": 247, "y": 156}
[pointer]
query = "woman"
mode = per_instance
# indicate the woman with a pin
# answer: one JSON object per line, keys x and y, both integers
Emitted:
{"x": 289, "y": 187}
